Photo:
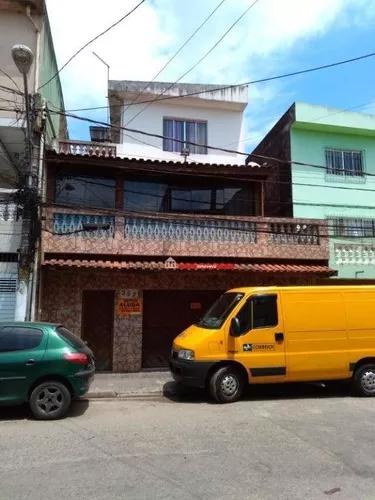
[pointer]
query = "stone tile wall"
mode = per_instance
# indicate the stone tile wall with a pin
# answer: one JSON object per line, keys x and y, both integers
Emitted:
{"x": 61, "y": 299}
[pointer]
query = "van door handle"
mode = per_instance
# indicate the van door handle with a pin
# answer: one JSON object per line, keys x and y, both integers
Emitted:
{"x": 279, "y": 337}
{"x": 30, "y": 362}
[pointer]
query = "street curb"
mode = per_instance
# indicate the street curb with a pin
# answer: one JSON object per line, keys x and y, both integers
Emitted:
{"x": 120, "y": 395}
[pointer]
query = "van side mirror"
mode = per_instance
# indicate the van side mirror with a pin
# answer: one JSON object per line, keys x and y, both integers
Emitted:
{"x": 235, "y": 327}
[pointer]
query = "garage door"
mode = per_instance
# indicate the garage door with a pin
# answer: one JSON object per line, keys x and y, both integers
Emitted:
{"x": 165, "y": 315}
{"x": 8, "y": 286}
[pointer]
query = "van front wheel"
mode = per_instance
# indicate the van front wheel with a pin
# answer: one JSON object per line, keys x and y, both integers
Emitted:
{"x": 226, "y": 385}
{"x": 364, "y": 380}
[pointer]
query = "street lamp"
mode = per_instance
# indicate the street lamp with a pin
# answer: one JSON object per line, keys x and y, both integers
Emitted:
{"x": 23, "y": 58}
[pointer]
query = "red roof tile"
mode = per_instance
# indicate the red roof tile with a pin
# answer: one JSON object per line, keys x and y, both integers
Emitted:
{"x": 190, "y": 266}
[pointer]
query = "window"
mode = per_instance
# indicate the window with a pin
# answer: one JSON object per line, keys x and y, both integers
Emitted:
{"x": 69, "y": 337}
{"x": 220, "y": 310}
{"x": 190, "y": 131}
{"x": 162, "y": 197}
{"x": 85, "y": 191}
{"x": 352, "y": 227}
{"x": 19, "y": 338}
{"x": 258, "y": 312}
{"x": 264, "y": 311}
{"x": 344, "y": 162}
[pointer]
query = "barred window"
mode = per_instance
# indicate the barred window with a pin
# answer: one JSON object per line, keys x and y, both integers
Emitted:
{"x": 364, "y": 228}
{"x": 344, "y": 162}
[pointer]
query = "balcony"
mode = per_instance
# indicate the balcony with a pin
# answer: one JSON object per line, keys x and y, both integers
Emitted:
{"x": 354, "y": 254}
{"x": 103, "y": 150}
{"x": 89, "y": 232}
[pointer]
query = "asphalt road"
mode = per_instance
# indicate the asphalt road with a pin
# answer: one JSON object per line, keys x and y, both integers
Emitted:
{"x": 279, "y": 443}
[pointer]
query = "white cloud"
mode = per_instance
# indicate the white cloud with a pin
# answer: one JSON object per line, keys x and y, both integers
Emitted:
{"x": 259, "y": 45}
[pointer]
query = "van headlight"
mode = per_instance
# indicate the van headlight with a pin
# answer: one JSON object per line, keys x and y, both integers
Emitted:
{"x": 186, "y": 354}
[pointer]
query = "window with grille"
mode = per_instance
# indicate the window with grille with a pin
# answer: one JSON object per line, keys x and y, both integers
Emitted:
{"x": 344, "y": 162}
{"x": 364, "y": 228}
{"x": 185, "y": 130}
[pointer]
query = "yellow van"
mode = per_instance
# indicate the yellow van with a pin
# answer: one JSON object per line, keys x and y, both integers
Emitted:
{"x": 280, "y": 334}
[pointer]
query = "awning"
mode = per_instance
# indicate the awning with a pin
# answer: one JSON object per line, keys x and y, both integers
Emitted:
{"x": 171, "y": 265}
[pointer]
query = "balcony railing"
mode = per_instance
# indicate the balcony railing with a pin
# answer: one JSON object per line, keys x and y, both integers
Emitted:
{"x": 191, "y": 230}
{"x": 355, "y": 254}
{"x": 294, "y": 233}
{"x": 87, "y": 148}
{"x": 79, "y": 231}
{"x": 85, "y": 226}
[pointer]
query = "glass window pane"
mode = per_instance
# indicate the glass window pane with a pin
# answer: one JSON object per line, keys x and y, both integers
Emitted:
{"x": 145, "y": 196}
{"x": 244, "y": 318}
{"x": 85, "y": 191}
{"x": 19, "y": 338}
{"x": 179, "y": 128}
{"x": 201, "y": 138}
{"x": 265, "y": 311}
{"x": 167, "y": 132}
{"x": 236, "y": 201}
{"x": 191, "y": 136}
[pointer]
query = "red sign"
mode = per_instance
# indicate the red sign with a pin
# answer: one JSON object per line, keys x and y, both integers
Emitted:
{"x": 201, "y": 266}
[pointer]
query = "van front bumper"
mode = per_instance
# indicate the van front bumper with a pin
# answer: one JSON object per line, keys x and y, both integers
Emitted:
{"x": 190, "y": 373}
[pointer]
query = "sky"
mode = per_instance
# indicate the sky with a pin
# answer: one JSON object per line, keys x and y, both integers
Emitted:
{"x": 275, "y": 37}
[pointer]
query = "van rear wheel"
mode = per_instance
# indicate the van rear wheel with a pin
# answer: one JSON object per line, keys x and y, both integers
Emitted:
{"x": 364, "y": 380}
{"x": 226, "y": 385}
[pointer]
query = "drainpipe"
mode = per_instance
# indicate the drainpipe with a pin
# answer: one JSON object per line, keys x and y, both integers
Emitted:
{"x": 37, "y": 50}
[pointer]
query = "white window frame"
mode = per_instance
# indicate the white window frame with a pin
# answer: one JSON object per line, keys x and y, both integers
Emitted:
{"x": 185, "y": 120}
{"x": 341, "y": 171}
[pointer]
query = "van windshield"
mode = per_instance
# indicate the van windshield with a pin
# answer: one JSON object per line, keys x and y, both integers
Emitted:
{"x": 220, "y": 310}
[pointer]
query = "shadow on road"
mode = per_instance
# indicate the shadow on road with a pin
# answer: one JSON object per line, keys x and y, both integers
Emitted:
{"x": 263, "y": 392}
{"x": 22, "y": 412}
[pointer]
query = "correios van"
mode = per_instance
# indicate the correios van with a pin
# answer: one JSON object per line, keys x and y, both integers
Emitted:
{"x": 280, "y": 334}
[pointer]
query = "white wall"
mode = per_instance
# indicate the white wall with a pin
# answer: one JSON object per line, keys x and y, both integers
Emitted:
{"x": 224, "y": 129}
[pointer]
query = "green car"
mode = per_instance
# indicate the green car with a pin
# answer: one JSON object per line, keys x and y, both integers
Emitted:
{"x": 45, "y": 365}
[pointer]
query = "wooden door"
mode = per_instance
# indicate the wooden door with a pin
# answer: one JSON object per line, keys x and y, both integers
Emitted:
{"x": 166, "y": 313}
{"x": 97, "y": 325}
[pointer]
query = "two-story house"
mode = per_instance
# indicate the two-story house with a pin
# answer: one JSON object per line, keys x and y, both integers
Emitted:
{"x": 21, "y": 22}
{"x": 138, "y": 240}
{"x": 330, "y": 154}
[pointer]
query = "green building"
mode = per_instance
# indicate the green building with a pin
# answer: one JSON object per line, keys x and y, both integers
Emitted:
{"x": 328, "y": 172}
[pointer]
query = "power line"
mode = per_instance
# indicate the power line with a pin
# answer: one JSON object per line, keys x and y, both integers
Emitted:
{"x": 91, "y": 41}
{"x": 11, "y": 79}
{"x": 176, "y": 53}
{"x": 184, "y": 142}
{"x": 206, "y": 54}
{"x": 243, "y": 84}
{"x": 177, "y": 218}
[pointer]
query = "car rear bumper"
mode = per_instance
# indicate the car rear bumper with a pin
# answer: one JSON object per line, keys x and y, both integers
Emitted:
{"x": 190, "y": 373}
{"x": 82, "y": 380}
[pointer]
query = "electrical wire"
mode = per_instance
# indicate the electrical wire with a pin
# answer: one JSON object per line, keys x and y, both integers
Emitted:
{"x": 205, "y": 55}
{"x": 176, "y": 218}
{"x": 237, "y": 85}
{"x": 215, "y": 148}
{"x": 90, "y": 42}
{"x": 175, "y": 54}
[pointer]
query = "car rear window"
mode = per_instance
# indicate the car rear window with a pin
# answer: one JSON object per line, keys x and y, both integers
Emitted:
{"x": 72, "y": 339}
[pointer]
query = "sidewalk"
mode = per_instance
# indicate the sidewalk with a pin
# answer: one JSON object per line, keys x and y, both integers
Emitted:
{"x": 129, "y": 385}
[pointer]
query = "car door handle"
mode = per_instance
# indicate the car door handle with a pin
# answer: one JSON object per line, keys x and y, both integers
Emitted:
{"x": 30, "y": 362}
{"x": 279, "y": 337}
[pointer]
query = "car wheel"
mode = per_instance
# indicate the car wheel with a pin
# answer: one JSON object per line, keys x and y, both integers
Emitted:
{"x": 50, "y": 400}
{"x": 364, "y": 380}
{"x": 226, "y": 385}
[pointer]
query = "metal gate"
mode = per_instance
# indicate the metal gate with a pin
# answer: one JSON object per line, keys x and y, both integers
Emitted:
{"x": 8, "y": 287}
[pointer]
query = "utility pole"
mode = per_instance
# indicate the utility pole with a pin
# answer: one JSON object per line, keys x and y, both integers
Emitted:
{"x": 27, "y": 195}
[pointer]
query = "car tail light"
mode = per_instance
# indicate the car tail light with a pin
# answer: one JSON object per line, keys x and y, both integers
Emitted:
{"x": 79, "y": 358}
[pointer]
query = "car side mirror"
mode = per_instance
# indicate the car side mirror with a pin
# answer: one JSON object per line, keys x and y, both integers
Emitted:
{"x": 235, "y": 327}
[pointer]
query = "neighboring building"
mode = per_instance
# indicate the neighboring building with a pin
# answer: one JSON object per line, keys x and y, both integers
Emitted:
{"x": 336, "y": 181}
{"x": 21, "y": 22}
{"x": 213, "y": 118}
{"x": 135, "y": 250}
